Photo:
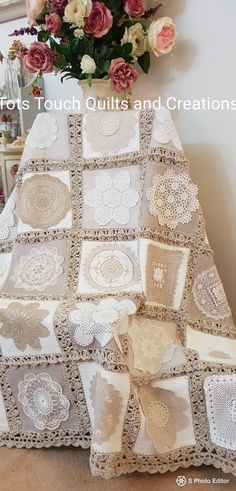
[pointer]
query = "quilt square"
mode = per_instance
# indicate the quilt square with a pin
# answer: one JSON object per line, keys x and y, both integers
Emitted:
{"x": 110, "y": 133}
{"x": 160, "y": 402}
{"x": 170, "y": 200}
{"x": 5, "y": 261}
{"x": 211, "y": 348}
{"x": 111, "y": 198}
{"x": 208, "y": 299}
{"x": 43, "y": 398}
{"x": 109, "y": 267}
{"x": 107, "y": 395}
{"x": 164, "y": 132}
{"x": 26, "y": 328}
{"x": 38, "y": 268}
{"x": 44, "y": 201}
{"x": 220, "y": 394}
{"x": 153, "y": 346}
{"x": 164, "y": 271}
{"x": 3, "y": 416}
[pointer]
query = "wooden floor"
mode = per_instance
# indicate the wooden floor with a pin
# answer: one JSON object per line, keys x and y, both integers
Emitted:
{"x": 68, "y": 470}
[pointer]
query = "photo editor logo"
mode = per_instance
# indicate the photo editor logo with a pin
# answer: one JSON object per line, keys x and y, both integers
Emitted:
{"x": 181, "y": 481}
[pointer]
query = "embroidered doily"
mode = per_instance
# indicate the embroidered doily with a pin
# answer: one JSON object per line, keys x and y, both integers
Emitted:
{"x": 152, "y": 344}
{"x": 7, "y": 216}
{"x": 103, "y": 321}
{"x": 112, "y": 198}
{"x": 158, "y": 413}
{"x": 172, "y": 198}
{"x": 107, "y": 405}
{"x": 164, "y": 129}
{"x": 209, "y": 295}
{"x": 43, "y": 401}
{"x": 220, "y": 393}
{"x": 44, "y": 201}
{"x": 43, "y": 133}
{"x": 109, "y": 132}
{"x": 40, "y": 268}
{"x": 23, "y": 324}
{"x": 111, "y": 268}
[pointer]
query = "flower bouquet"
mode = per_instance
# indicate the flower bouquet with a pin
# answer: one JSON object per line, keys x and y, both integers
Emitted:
{"x": 86, "y": 39}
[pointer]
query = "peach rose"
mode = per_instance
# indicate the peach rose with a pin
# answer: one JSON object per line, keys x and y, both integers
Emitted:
{"x": 99, "y": 21}
{"x": 122, "y": 74}
{"x": 34, "y": 9}
{"x": 135, "y": 8}
{"x": 53, "y": 23}
{"x": 162, "y": 36}
{"x": 39, "y": 58}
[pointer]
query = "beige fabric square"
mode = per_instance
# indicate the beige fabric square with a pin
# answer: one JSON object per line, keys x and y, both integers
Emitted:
{"x": 152, "y": 345}
{"x": 107, "y": 395}
{"x": 38, "y": 268}
{"x": 43, "y": 398}
{"x": 3, "y": 416}
{"x": 170, "y": 200}
{"x": 167, "y": 410}
{"x": 213, "y": 349}
{"x": 208, "y": 299}
{"x": 111, "y": 198}
{"x": 163, "y": 270}
{"x": 109, "y": 267}
{"x": 26, "y": 328}
{"x": 110, "y": 133}
{"x": 44, "y": 201}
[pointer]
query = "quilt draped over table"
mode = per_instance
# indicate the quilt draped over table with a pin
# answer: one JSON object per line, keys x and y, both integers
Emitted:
{"x": 115, "y": 331}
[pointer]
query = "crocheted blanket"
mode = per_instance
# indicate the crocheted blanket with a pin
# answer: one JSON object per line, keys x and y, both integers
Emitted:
{"x": 115, "y": 331}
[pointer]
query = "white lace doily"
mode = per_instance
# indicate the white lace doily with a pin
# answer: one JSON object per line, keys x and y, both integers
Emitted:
{"x": 164, "y": 129}
{"x": 43, "y": 401}
{"x": 209, "y": 295}
{"x": 7, "y": 216}
{"x": 172, "y": 198}
{"x": 43, "y": 132}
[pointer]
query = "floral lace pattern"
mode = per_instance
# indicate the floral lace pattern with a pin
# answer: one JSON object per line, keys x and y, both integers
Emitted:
{"x": 220, "y": 393}
{"x": 43, "y": 401}
{"x": 153, "y": 343}
{"x": 112, "y": 198}
{"x": 38, "y": 269}
{"x": 209, "y": 295}
{"x": 106, "y": 402}
{"x": 172, "y": 198}
{"x": 103, "y": 321}
{"x": 44, "y": 201}
{"x": 23, "y": 323}
{"x": 44, "y": 134}
{"x": 7, "y": 216}
{"x": 165, "y": 130}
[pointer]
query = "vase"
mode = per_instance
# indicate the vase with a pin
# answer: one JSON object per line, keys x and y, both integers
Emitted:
{"x": 100, "y": 88}
{"x": 101, "y": 92}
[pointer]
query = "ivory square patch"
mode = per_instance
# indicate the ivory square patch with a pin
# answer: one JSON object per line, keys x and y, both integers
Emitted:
{"x": 111, "y": 197}
{"x": 214, "y": 349}
{"x": 162, "y": 431}
{"x": 220, "y": 393}
{"x": 164, "y": 270}
{"x": 44, "y": 201}
{"x": 109, "y": 267}
{"x": 26, "y": 328}
{"x": 110, "y": 133}
{"x": 107, "y": 395}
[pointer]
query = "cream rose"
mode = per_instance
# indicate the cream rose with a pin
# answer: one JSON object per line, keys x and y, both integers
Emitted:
{"x": 76, "y": 11}
{"x": 34, "y": 9}
{"x": 162, "y": 36}
{"x": 135, "y": 36}
{"x": 88, "y": 64}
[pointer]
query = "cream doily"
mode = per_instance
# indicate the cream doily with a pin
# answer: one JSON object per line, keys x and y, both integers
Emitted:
{"x": 7, "y": 216}
{"x": 209, "y": 295}
{"x": 164, "y": 129}
{"x": 43, "y": 132}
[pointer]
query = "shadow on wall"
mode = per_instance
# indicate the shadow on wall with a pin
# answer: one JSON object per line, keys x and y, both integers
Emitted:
{"x": 207, "y": 171}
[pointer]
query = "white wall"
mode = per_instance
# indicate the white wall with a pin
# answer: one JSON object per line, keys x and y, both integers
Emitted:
{"x": 203, "y": 65}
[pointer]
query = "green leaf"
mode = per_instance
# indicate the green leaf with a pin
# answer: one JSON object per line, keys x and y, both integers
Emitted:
{"x": 144, "y": 61}
{"x": 43, "y": 36}
{"x": 54, "y": 44}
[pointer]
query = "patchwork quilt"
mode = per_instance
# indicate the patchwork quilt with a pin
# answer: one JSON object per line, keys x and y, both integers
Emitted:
{"x": 115, "y": 331}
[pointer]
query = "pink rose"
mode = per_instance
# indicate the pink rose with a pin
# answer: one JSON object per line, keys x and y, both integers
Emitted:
{"x": 53, "y": 23}
{"x": 135, "y": 8}
{"x": 99, "y": 21}
{"x": 39, "y": 58}
{"x": 33, "y": 9}
{"x": 122, "y": 74}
